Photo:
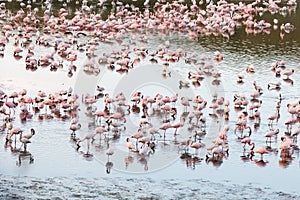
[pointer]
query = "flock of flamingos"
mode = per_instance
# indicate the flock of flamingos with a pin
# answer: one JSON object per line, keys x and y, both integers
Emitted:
{"x": 163, "y": 119}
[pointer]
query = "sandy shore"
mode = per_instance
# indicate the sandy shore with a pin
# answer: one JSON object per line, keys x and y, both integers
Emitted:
{"x": 129, "y": 188}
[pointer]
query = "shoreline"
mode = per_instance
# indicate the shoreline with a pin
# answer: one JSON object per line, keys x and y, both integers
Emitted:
{"x": 20, "y": 187}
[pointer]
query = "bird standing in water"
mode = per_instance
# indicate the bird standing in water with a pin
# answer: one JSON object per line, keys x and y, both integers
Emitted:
{"x": 88, "y": 137}
{"x": 25, "y": 139}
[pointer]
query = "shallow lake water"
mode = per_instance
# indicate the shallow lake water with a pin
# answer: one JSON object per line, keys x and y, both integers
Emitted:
{"x": 59, "y": 170}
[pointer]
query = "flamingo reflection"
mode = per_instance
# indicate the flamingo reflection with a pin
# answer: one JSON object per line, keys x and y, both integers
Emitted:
{"x": 23, "y": 156}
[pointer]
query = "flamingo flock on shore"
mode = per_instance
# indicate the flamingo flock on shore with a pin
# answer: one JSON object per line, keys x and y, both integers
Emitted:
{"x": 162, "y": 118}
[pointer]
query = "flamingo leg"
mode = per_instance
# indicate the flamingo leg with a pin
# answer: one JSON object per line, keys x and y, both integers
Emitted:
{"x": 88, "y": 147}
{"x": 25, "y": 147}
{"x": 137, "y": 144}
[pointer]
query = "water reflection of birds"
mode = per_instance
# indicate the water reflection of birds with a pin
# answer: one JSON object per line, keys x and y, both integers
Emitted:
{"x": 214, "y": 161}
{"x": 143, "y": 160}
{"x": 190, "y": 160}
{"x": 128, "y": 160}
{"x": 285, "y": 159}
{"x": 260, "y": 163}
{"x": 24, "y": 155}
{"x": 288, "y": 81}
{"x": 109, "y": 152}
{"x": 246, "y": 157}
{"x": 13, "y": 149}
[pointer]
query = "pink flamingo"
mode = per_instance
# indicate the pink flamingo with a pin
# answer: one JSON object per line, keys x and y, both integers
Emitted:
{"x": 295, "y": 133}
{"x": 118, "y": 116}
{"x": 272, "y": 117}
{"x": 137, "y": 136}
{"x": 100, "y": 114}
{"x": 10, "y": 105}
{"x": 15, "y": 132}
{"x": 196, "y": 146}
{"x": 177, "y": 125}
{"x": 270, "y": 134}
{"x": 165, "y": 126}
{"x": 100, "y": 130}
{"x": 87, "y": 137}
{"x": 185, "y": 103}
{"x": 129, "y": 144}
{"x": 261, "y": 151}
{"x": 247, "y": 141}
{"x": 74, "y": 128}
{"x": 289, "y": 73}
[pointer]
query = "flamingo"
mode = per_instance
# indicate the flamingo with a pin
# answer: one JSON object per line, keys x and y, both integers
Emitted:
{"x": 261, "y": 151}
{"x": 186, "y": 143}
{"x": 289, "y": 73}
{"x": 109, "y": 152}
{"x": 100, "y": 130}
{"x": 185, "y": 103}
{"x": 137, "y": 136}
{"x": 23, "y": 92}
{"x": 129, "y": 144}
{"x": 270, "y": 134}
{"x": 118, "y": 116}
{"x": 165, "y": 126}
{"x": 152, "y": 131}
{"x": 196, "y": 146}
{"x": 74, "y": 128}
{"x": 272, "y": 117}
{"x": 28, "y": 136}
{"x": 248, "y": 141}
{"x": 88, "y": 137}
{"x": 146, "y": 150}
{"x": 294, "y": 134}
{"x": 99, "y": 114}
{"x": 286, "y": 145}
{"x": 10, "y": 105}
{"x": 177, "y": 125}
{"x": 217, "y": 151}
{"x": 250, "y": 69}
{"x": 240, "y": 78}
{"x": 183, "y": 84}
{"x": 9, "y": 126}
{"x": 274, "y": 85}
{"x": 257, "y": 88}
{"x": 24, "y": 141}
{"x": 14, "y": 131}
{"x": 173, "y": 99}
